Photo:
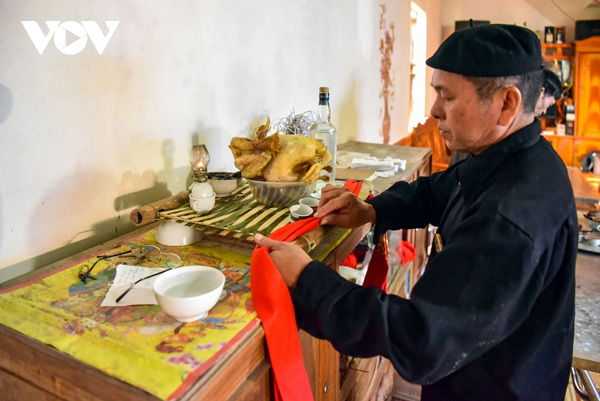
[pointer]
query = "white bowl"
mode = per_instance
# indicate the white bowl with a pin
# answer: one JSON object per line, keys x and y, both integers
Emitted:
{"x": 172, "y": 233}
{"x": 279, "y": 193}
{"x": 224, "y": 183}
{"x": 188, "y": 293}
{"x": 202, "y": 205}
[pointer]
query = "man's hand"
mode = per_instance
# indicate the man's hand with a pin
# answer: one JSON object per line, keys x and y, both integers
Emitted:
{"x": 340, "y": 207}
{"x": 289, "y": 259}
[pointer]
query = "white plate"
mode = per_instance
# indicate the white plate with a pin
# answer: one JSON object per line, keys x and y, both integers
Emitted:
{"x": 583, "y": 246}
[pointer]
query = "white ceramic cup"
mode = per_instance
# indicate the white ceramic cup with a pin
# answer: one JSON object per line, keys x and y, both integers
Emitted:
{"x": 298, "y": 212}
{"x": 202, "y": 205}
{"x": 310, "y": 202}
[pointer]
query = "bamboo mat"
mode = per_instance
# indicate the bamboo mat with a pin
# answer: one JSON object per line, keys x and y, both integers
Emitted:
{"x": 238, "y": 215}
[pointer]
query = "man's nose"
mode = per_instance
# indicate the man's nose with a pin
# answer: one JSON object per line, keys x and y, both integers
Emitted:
{"x": 437, "y": 111}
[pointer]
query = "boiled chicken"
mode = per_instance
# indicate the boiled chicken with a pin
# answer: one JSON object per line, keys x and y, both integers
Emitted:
{"x": 280, "y": 158}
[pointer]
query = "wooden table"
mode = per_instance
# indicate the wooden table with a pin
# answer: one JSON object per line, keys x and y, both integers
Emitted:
{"x": 586, "y": 348}
{"x": 32, "y": 370}
{"x": 586, "y": 195}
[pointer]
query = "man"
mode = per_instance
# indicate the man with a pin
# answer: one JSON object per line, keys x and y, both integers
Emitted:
{"x": 551, "y": 92}
{"x": 492, "y": 316}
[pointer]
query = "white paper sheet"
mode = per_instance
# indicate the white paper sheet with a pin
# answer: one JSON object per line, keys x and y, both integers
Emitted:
{"x": 380, "y": 165}
{"x": 141, "y": 294}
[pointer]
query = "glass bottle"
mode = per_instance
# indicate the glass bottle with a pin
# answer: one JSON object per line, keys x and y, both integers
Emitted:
{"x": 323, "y": 131}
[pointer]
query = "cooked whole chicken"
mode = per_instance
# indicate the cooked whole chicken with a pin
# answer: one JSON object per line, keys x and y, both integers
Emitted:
{"x": 280, "y": 157}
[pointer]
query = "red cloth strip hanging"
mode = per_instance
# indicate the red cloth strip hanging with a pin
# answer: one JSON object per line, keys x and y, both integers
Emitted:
{"x": 378, "y": 269}
{"x": 274, "y": 307}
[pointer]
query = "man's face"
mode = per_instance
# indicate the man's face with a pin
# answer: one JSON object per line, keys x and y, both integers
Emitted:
{"x": 467, "y": 124}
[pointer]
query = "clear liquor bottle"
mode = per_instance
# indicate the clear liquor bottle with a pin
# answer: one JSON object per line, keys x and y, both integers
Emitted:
{"x": 323, "y": 130}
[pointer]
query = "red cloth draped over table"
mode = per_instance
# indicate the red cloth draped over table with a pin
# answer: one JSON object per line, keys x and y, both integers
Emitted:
{"x": 274, "y": 307}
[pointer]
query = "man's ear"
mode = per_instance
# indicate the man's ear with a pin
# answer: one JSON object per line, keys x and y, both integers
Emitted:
{"x": 511, "y": 102}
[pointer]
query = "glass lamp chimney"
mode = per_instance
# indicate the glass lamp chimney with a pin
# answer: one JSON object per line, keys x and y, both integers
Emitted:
{"x": 199, "y": 158}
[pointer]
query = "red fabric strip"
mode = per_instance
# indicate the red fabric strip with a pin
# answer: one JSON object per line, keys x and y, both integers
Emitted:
{"x": 379, "y": 267}
{"x": 274, "y": 307}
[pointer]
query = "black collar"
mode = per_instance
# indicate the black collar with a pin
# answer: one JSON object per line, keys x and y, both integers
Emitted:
{"x": 476, "y": 169}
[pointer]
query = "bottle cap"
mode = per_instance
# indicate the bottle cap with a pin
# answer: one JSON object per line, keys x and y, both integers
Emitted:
{"x": 324, "y": 89}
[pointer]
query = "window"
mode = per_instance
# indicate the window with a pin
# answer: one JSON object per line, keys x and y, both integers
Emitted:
{"x": 418, "y": 46}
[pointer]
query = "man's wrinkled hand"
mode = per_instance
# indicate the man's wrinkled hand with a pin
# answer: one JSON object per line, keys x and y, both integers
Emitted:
{"x": 340, "y": 207}
{"x": 289, "y": 259}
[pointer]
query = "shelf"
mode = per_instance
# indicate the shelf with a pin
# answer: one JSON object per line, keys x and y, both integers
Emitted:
{"x": 557, "y": 51}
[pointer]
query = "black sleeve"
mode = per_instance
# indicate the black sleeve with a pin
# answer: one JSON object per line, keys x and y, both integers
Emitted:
{"x": 461, "y": 307}
{"x": 413, "y": 205}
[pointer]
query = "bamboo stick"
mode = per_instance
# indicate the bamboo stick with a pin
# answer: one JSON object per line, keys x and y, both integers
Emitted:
{"x": 148, "y": 213}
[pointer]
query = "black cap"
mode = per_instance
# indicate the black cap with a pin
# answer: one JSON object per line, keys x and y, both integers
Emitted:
{"x": 492, "y": 50}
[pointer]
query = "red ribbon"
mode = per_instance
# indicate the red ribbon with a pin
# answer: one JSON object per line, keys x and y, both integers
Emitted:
{"x": 274, "y": 307}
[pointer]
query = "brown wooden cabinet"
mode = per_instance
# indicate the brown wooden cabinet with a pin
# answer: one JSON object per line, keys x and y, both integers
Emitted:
{"x": 573, "y": 148}
{"x": 586, "y": 97}
{"x": 587, "y": 87}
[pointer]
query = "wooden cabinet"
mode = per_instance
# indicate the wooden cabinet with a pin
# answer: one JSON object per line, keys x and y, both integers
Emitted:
{"x": 557, "y": 51}
{"x": 587, "y": 87}
{"x": 586, "y": 97}
{"x": 573, "y": 148}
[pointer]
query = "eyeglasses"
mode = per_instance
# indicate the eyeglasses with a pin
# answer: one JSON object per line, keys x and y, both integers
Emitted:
{"x": 120, "y": 297}
{"x": 149, "y": 253}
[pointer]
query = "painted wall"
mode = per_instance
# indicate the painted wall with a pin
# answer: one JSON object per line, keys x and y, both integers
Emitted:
{"x": 88, "y": 137}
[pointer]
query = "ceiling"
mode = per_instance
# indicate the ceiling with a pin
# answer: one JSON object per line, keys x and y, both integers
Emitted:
{"x": 566, "y": 12}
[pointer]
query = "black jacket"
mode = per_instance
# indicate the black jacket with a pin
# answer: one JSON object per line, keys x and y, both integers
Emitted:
{"x": 492, "y": 316}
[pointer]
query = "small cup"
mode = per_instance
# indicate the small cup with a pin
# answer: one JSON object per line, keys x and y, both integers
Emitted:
{"x": 299, "y": 212}
{"x": 202, "y": 205}
{"x": 310, "y": 202}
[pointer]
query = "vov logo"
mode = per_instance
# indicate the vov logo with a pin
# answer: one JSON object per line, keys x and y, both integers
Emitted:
{"x": 78, "y": 33}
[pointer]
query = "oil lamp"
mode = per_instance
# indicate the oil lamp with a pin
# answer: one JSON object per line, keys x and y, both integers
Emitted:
{"x": 199, "y": 158}
{"x": 202, "y": 196}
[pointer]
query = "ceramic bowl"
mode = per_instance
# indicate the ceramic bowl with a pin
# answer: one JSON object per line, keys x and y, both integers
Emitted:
{"x": 298, "y": 212}
{"x": 172, "y": 233}
{"x": 202, "y": 205}
{"x": 281, "y": 194}
{"x": 188, "y": 293}
{"x": 224, "y": 183}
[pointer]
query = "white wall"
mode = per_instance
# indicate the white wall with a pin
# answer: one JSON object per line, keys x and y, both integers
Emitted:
{"x": 518, "y": 12}
{"x": 87, "y": 137}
